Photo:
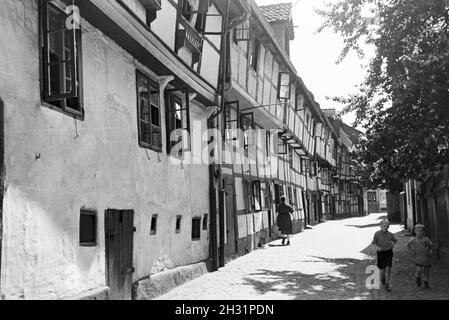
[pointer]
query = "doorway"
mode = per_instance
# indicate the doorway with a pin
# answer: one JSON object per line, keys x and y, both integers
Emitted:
{"x": 119, "y": 227}
{"x": 373, "y": 205}
{"x": 231, "y": 217}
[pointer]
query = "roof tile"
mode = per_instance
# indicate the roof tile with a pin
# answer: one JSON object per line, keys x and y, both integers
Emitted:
{"x": 277, "y": 12}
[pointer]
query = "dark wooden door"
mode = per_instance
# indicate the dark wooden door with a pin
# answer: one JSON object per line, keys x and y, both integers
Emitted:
{"x": 231, "y": 217}
{"x": 119, "y": 225}
{"x": 373, "y": 205}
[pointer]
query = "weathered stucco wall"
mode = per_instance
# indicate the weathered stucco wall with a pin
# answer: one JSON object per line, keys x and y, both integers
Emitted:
{"x": 51, "y": 175}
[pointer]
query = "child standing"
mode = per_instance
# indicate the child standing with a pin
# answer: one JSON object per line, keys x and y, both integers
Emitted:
{"x": 421, "y": 249}
{"x": 384, "y": 241}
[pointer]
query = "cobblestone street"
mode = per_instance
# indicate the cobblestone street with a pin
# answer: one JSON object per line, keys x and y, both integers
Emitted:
{"x": 327, "y": 262}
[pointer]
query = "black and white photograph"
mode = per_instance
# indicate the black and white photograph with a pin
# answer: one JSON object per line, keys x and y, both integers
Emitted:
{"x": 237, "y": 153}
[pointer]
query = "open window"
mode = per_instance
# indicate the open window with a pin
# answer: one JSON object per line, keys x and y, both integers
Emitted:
{"x": 178, "y": 124}
{"x": 247, "y": 125}
{"x": 61, "y": 84}
{"x": 284, "y": 86}
{"x": 253, "y": 53}
{"x": 231, "y": 119}
{"x": 149, "y": 113}
{"x": 256, "y": 196}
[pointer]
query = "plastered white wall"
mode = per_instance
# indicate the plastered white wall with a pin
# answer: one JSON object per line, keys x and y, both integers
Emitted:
{"x": 51, "y": 175}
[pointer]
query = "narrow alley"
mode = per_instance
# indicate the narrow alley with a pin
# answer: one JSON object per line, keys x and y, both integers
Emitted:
{"x": 328, "y": 262}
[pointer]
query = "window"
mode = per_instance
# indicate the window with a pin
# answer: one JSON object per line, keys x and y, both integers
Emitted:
{"x": 178, "y": 224}
{"x": 241, "y": 33}
{"x": 253, "y": 54}
{"x": 88, "y": 228}
{"x": 268, "y": 144}
{"x": 290, "y": 156}
{"x": 205, "y": 222}
{"x": 231, "y": 121}
{"x": 178, "y": 125}
{"x": 196, "y": 229}
{"x": 247, "y": 125}
{"x": 290, "y": 195}
{"x": 149, "y": 115}
{"x": 153, "y": 230}
{"x": 265, "y": 196}
{"x": 295, "y": 198}
{"x": 300, "y": 102}
{"x": 61, "y": 61}
{"x": 282, "y": 146}
{"x": 256, "y": 196}
{"x": 284, "y": 86}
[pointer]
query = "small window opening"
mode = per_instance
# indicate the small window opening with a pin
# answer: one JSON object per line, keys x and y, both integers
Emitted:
{"x": 178, "y": 224}
{"x": 205, "y": 222}
{"x": 153, "y": 230}
{"x": 196, "y": 229}
{"x": 88, "y": 228}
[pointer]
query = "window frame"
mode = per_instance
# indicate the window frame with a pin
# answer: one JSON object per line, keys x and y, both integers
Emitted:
{"x": 254, "y": 53}
{"x": 171, "y": 98}
{"x": 256, "y": 193}
{"x": 280, "y": 86}
{"x": 229, "y": 120}
{"x": 246, "y": 138}
{"x": 283, "y": 144}
{"x": 59, "y": 102}
{"x": 144, "y": 144}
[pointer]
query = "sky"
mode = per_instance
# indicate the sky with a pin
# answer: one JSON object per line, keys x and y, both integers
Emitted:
{"x": 314, "y": 56}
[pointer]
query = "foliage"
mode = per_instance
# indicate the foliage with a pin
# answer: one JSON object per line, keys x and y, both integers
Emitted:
{"x": 404, "y": 101}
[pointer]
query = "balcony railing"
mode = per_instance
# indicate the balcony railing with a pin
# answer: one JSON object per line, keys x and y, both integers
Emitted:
{"x": 189, "y": 38}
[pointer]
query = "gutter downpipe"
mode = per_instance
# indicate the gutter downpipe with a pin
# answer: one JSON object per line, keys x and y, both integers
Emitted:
{"x": 218, "y": 256}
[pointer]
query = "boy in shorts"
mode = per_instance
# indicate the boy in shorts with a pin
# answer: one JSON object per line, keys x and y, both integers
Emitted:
{"x": 384, "y": 241}
{"x": 420, "y": 247}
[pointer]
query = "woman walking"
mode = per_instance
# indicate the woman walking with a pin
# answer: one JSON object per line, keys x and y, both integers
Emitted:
{"x": 284, "y": 220}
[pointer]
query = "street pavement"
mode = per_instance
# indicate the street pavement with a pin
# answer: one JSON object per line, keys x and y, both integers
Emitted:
{"x": 327, "y": 262}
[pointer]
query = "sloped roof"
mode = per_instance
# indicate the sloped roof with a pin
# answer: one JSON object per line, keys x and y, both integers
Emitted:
{"x": 331, "y": 113}
{"x": 281, "y": 12}
{"x": 353, "y": 133}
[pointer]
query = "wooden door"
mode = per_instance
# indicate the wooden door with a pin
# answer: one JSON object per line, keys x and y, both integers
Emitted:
{"x": 231, "y": 217}
{"x": 119, "y": 225}
{"x": 373, "y": 206}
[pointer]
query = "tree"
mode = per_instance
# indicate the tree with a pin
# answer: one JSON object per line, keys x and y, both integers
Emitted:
{"x": 404, "y": 101}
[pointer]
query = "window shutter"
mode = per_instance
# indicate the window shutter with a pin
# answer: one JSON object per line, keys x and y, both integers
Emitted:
{"x": 60, "y": 54}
